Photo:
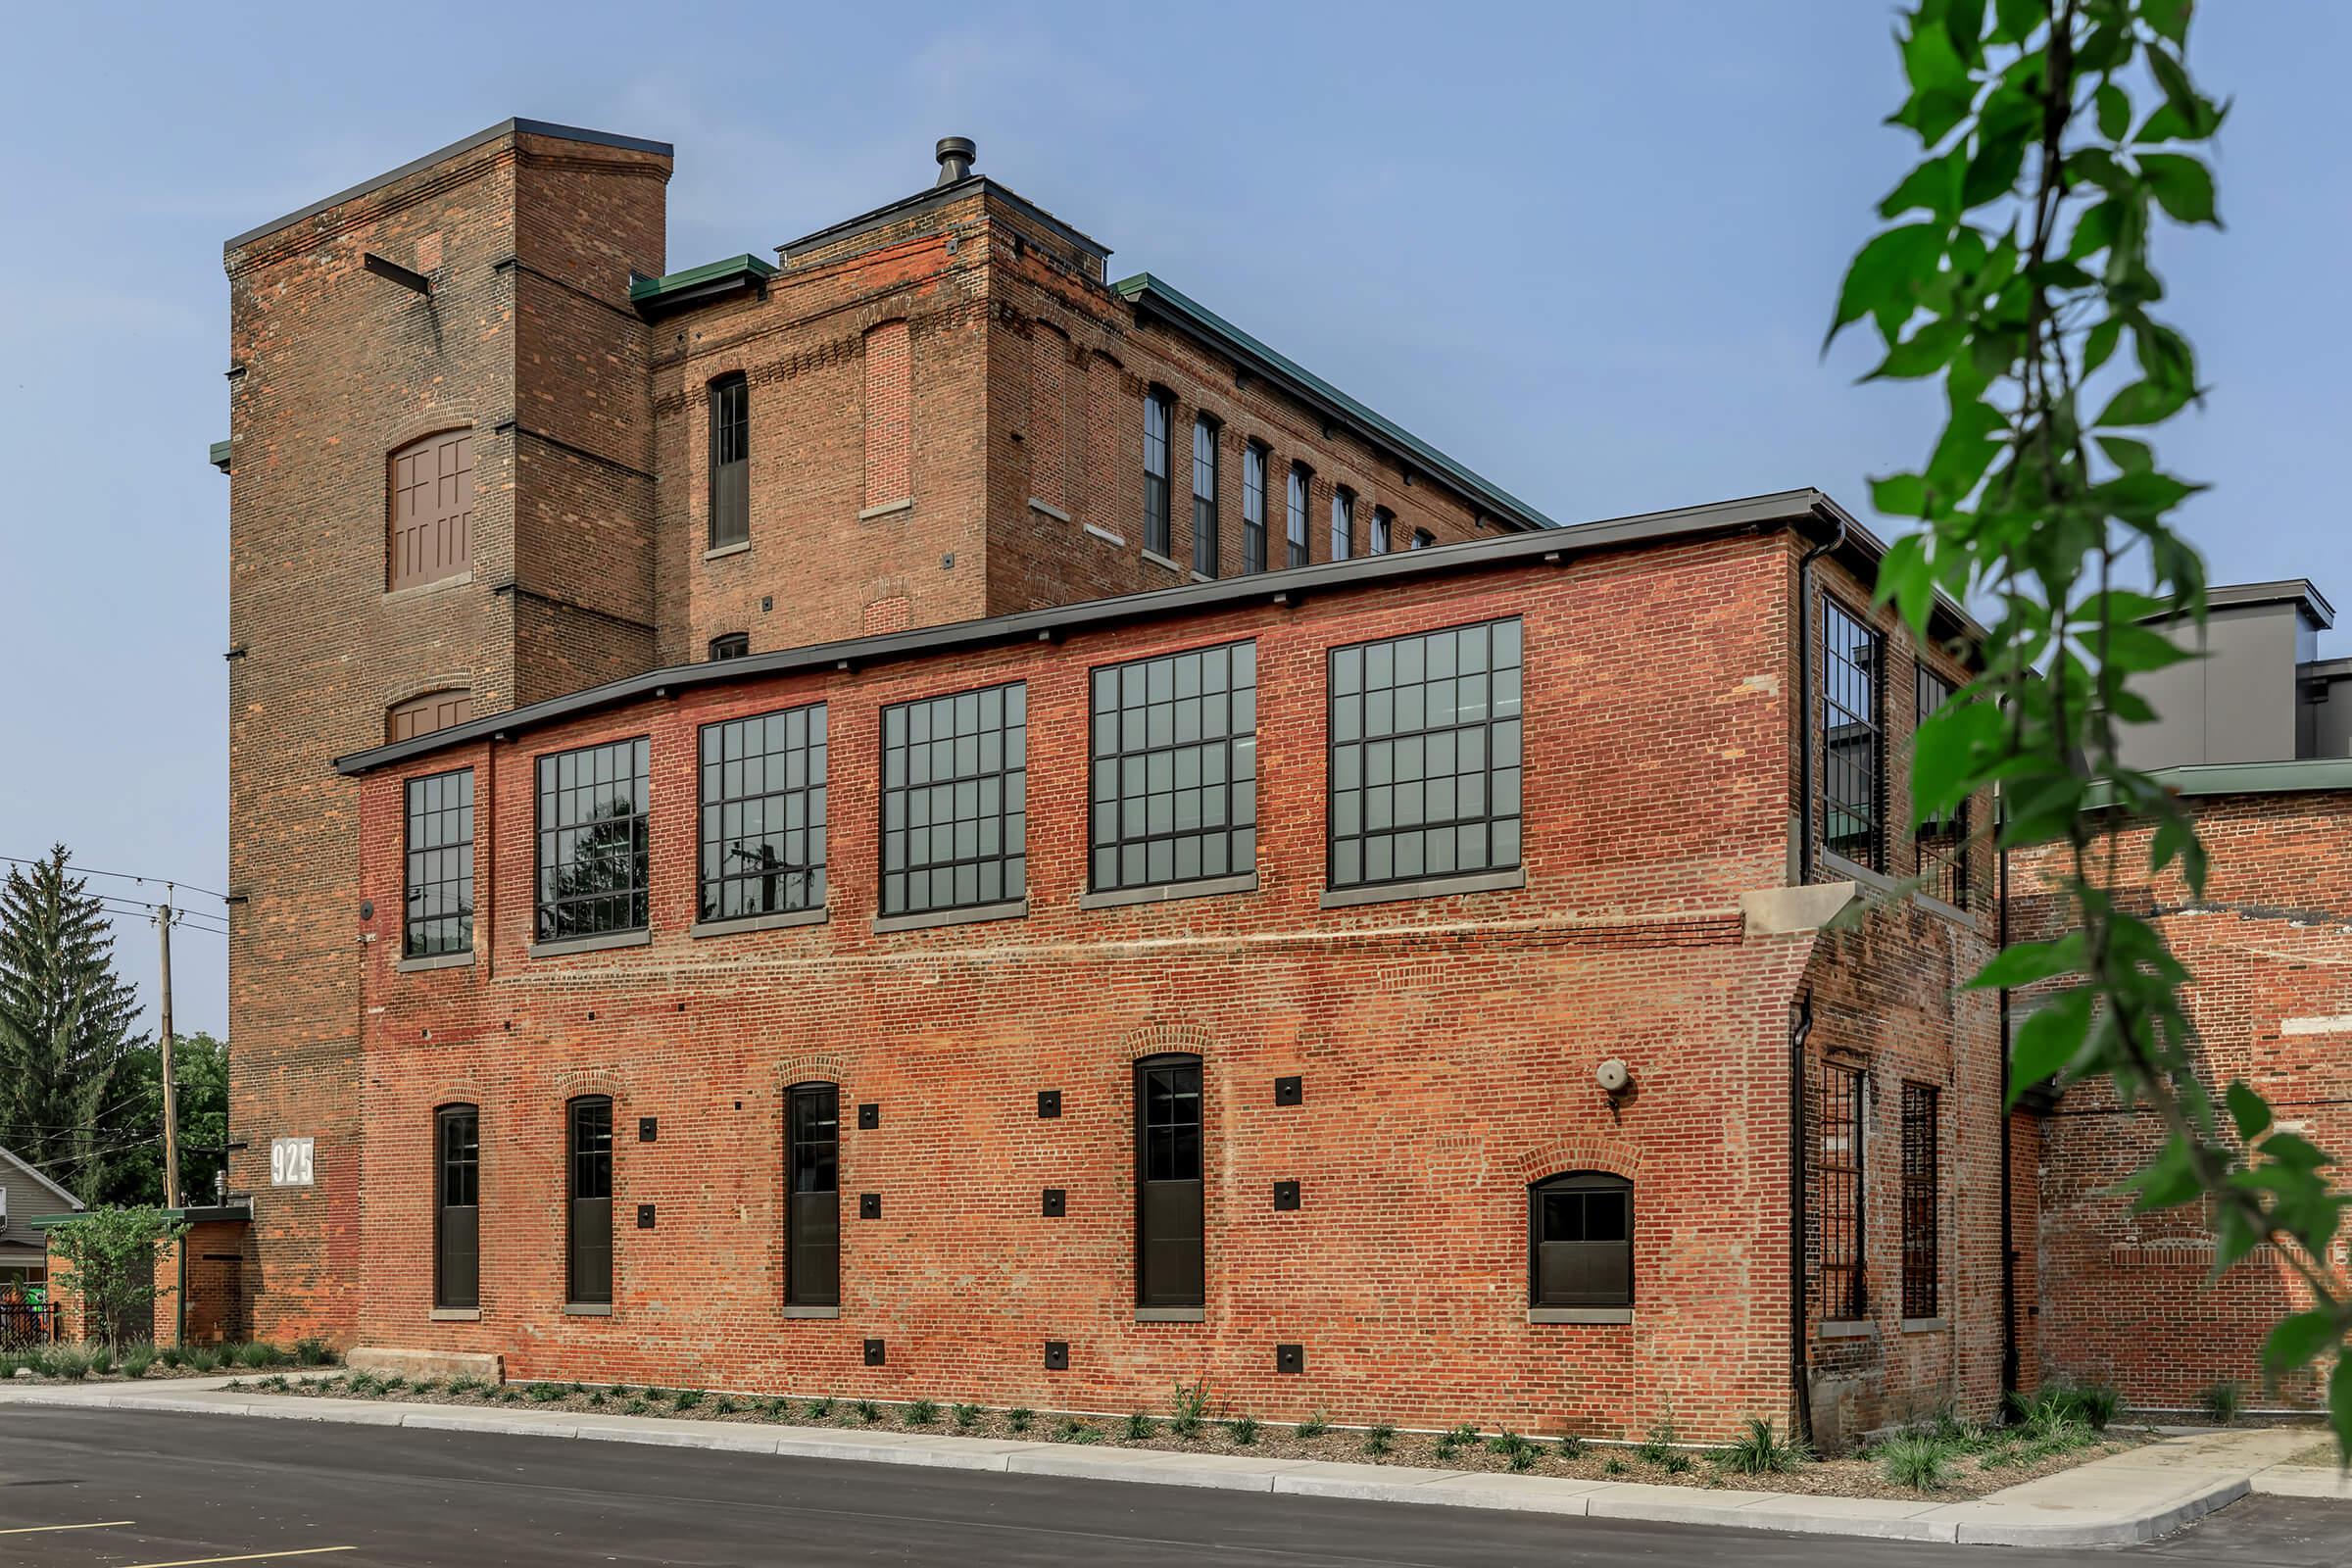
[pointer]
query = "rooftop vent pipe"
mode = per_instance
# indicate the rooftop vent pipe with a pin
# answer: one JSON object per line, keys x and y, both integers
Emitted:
{"x": 956, "y": 155}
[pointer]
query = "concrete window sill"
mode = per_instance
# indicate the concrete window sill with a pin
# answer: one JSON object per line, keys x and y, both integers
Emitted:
{"x": 888, "y": 508}
{"x": 1950, "y": 911}
{"x": 1925, "y": 1325}
{"x": 1055, "y": 513}
{"x": 597, "y": 943}
{"x": 587, "y": 1308}
{"x": 725, "y": 550}
{"x": 1852, "y": 1329}
{"x": 1010, "y": 909}
{"x": 1580, "y": 1314}
{"x": 456, "y": 1314}
{"x": 1158, "y": 560}
{"x": 1103, "y": 534}
{"x": 1426, "y": 888}
{"x": 1855, "y": 872}
{"x": 1203, "y": 577}
{"x": 1211, "y": 888}
{"x": 438, "y": 960}
{"x": 756, "y": 922}
{"x": 418, "y": 590}
{"x": 812, "y": 1313}
{"x": 1171, "y": 1314}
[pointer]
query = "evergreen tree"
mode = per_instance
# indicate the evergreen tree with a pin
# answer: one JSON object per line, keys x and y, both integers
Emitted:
{"x": 66, "y": 1018}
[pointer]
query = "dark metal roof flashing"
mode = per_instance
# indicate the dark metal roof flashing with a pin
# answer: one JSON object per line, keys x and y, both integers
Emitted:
{"x": 1809, "y": 509}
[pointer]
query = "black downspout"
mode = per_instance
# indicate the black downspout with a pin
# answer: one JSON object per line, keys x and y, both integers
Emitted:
{"x": 2008, "y": 1241}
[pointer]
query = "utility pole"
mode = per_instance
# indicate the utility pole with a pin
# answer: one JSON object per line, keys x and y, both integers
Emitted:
{"x": 162, "y": 926}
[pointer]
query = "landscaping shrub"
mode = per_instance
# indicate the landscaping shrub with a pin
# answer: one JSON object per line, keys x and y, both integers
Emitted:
{"x": 688, "y": 1399}
{"x": 1760, "y": 1450}
{"x": 1677, "y": 1463}
{"x": 724, "y": 1405}
{"x": 137, "y": 1359}
{"x": 1315, "y": 1426}
{"x": 314, "y": 1353}
{"x": 1019, "y": 1417}
{"x": 636, "y": 1407}
{"x": 1243, "y": 1428}
{"x": 596, "y": 1398}
{"x": 820, "y": 1410}
{"x": 1653, "y": 1449}
{"x": 467, "y": 1384}
{"x": 1139, "y": 1426}
{"x": 1379, "y": 1438}
{"x": 200, "y": 1359}
{"x": 2223, "y": 1401}
{"x": 1613, "y": 1466}
{"x": 1191, "y": 1408}
{"x": 544, "y": 1392}
{"x": 421, "y": 1386}
{"x": 919, "y": 1413}
{"x": 1069, "y": 1428}
{"x": 966, "y": 1416}
{"x": 867, "y": 1411}
{"x": 276, "y": 1382}
{"x": 1512, "y": 1447}
{"x": 257, "y": 1353}
{"x": 1918, "y": 1460}
{"x": 1453, "y": 1437}
{"x": 365, "y": 1386}
{"x": 101, "y": 1359}
{"x": 1570, "y": 1446}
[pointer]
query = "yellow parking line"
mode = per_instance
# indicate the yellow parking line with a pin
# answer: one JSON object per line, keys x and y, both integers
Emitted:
{"x": 251, "y": 1557}
{"x": 38, "y": 1530}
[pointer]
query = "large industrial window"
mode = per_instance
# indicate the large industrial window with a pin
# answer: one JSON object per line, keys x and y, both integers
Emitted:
{"x": 1580, "y": 1241}
{"x": 1254, "y": 507}
{"x": 730, "y": 462}
{"x": 764, "y": 814}
{"x": 1175, "y": 768}
{"x": 432, "y": 527}
{"x": 1204, "y": 496}
{"x": 1838, "y": 1121}
{"x": 812, "y": 1177}
{"x": 954, "y": 800}
{"x": 588, "y": 1234}
{"x": 437, "y": 880}
{"x": 1922, "y": 1262}
{"x": 1343, "y": 523}
{"x": 457, "y": 1208}
{"x": 1158, "y": 409}
{"x": 1853, "y": 740}
{"x": 1168, "y": 1242}
{"x": 593, "y": 804}
{"x": 1425, "y": 755}
{"x": 1295, "y": 526}
{"x": 1942, "y": 843}
{"x": 1384, "y": 528}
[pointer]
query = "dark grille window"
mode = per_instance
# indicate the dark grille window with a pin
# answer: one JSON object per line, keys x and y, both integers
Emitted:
{"x": 1580, "y": 1241}
{"x": 592, "y": 841}
{"x": 1921, "y": 1247}
{"x": 764, "y": 814}
{"x": 1425, "y": 755}
{"x": 1853, "y": 744}
{"x": 1295, "y": 528}
{"x": 457, "y": 1210}
{"x": 1204, "y": 496}
{"x": 1253, "y": 507}
{"x": 1158, "y": 411}
{"x": 1169, "y": 1269}
{"x": 731, "y": 645}
{"x": 588, "y": 1252}
{"x": 1942, "y": 843}
{"x": 954, "y": 800}
{"x": 1383, "y": 526}
{"x": 812, "y": 1219}
{"x": 1839, "y": 1124}
{"x": 1175, "y": 768}
{"x": 1342, "y": 524}
{"x": 730, "y": 462}
{"x": 438, "y": 886}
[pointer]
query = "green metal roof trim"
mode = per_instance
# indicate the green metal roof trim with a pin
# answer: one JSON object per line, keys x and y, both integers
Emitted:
{"x": 2304, "y": 774}
{"x": 1143, "y": 289}
{"x": 706, "y": 279}
{"x": 219, "y": 456}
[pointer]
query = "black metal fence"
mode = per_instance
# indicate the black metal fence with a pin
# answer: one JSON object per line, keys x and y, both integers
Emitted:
{"x": 26, "y": 1317}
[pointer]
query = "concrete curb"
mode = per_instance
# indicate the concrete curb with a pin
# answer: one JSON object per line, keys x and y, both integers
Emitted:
{"x": 2139, "y": 1501}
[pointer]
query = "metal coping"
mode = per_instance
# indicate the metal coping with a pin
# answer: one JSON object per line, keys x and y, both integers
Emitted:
{"x": 939, "y": 196}
{"x": 2299, "y": 591}
{"x": 504, "y": 127}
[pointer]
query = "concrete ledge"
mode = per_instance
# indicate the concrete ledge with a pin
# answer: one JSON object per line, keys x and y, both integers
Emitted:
{"x": 1051, "y": 511}
{"x": 1170, "y": 892}
{"x": 1776, "y": 911}
{"x": 438, "y": 960}
{"x": 778, "y": 921}
{"x": 885, "y": 510}
{"x": 436, "y": 1364}
{"x": 1434, "y": 887}
{"x": 1222, "y": 1472}
{"x": 642, "y": 937}
{"x": 969, "y": 914}
{"x": 2302, "y": 1480}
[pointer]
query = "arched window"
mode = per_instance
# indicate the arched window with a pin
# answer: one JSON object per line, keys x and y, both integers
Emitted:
{"x": 813, "y": 1197}
{"x": 432, "y": 535}
{"x": 457, "y": 1208}
{"x": 1580, "y": 1241}
{"x": 422, "y": 715}
{"x": 1169, "y": 1271}
{"x": 588, "y": 1228}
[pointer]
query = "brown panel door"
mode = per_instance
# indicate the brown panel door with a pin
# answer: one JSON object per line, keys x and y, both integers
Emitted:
{"x": 432, "y": 510}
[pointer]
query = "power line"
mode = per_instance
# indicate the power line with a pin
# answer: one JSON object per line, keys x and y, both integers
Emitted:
{"x": 126, "y": 876}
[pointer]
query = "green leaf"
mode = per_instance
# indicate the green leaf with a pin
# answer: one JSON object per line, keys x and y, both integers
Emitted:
{"x": 2296, "y": 1339}
{"x": 2029, "y": 963}
{"x": 2100, "y": 345}
{"x": 2132, "y": 457}
{"x": 1923, "y": 353}
{"x": 1932, "y": 113}
{"x": 2144, "y": 403}
{"x": 2248, "y": 1110}
{"x": 2169, "y": 1181}
{"x": 1884, "y": 278}
{"x": 2114, "y": 111}
{"x": 2183, "y": 187}
{"x": 2197, "y": 115}
{"x": 1944, "y": 754}
{"x": 2137, "y": 649}
{"x": 2170, "y": 18}
{"x": 2014, "y": 20}
{"x": 2142, "y": 494}
{"x": 1899, "y": 495}
{"x": 2294, "y": 1151}
{"x": 1930, "y": 61}
{"x": 2050, "y": 1039}
{"x": 1993, "y": 172}
{"x": 1933, "y": 185}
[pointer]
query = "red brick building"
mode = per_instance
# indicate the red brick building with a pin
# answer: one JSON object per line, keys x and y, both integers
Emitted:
{"x": 908, "y": 820}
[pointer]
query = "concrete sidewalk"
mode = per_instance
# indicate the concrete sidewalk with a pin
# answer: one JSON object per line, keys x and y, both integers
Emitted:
{"x": 2120, "y": 1499}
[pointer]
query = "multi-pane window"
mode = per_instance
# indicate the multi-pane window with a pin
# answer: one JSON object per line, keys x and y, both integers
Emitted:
{"x": 588, "y": 1232}
{"x": 1169, "y": 1234}
{"x": 1921, "y": 1247}
{"x": 1942, "y": 843}
{"x": 1425, "y": 753}
{"x": 731, "y": 645}
{"x": 593, "y": 805}
{"x": 954, "y": 800}
{"x": 1204, "y": 496}
{"x": 457, "y": 1208}
{"x": 1294, "y": 525}
{"x": 1158, "y": 409}
{"x": 1383, "y": 527}
{"x": 437, "y": 881}
{"x": 812, "y": 1211}
{"x": 1839, "y": 1120}
{"x": 1853, "y": 740}
{"x": 1343, "y": 523}
{"x": 1175, "y": 768}
{"x": 762, "y": 839}
{"x": 1254, "y": 507}
{"x": 1580, "y": 1241}
{"x": 730, "y": 462}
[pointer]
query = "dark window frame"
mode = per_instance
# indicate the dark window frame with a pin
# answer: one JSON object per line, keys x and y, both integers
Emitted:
{"x": 730, "y": 420}
{"x": 1343, "y": 523}
{"x": 549, "y": 918}
{"x": 1299, "y": 505}
{"x": 1257, "y": 456}
{"x": 1842, "y": 1190}
{"x": 822, "y": 1097}
{"x": 1174, "y": 1203}
{"x": 1423, "y": 539}
{"x": 1586, "y": 1184}
{"x": 1923, "y": 1181}
{"x": 1857, "y": 789}
{"x": 1138, "y": 734}
{"x": 588, "y": 1200}
{"x": 418, "y": 859}
{"x": 1384, "y": 531}
{"x": 1159, "y": 420}
{"x": 1939, "y": 847}
{"x": 457, "y": 1169}
{"x": 1010, "y": 778}
{"x": 730, "y": 645}
{"x": 1208, "y": 463}
{"x": 726, "y": 743}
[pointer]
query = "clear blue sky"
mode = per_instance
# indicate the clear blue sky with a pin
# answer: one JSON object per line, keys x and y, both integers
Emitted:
{"x": 1588, "y": 249}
